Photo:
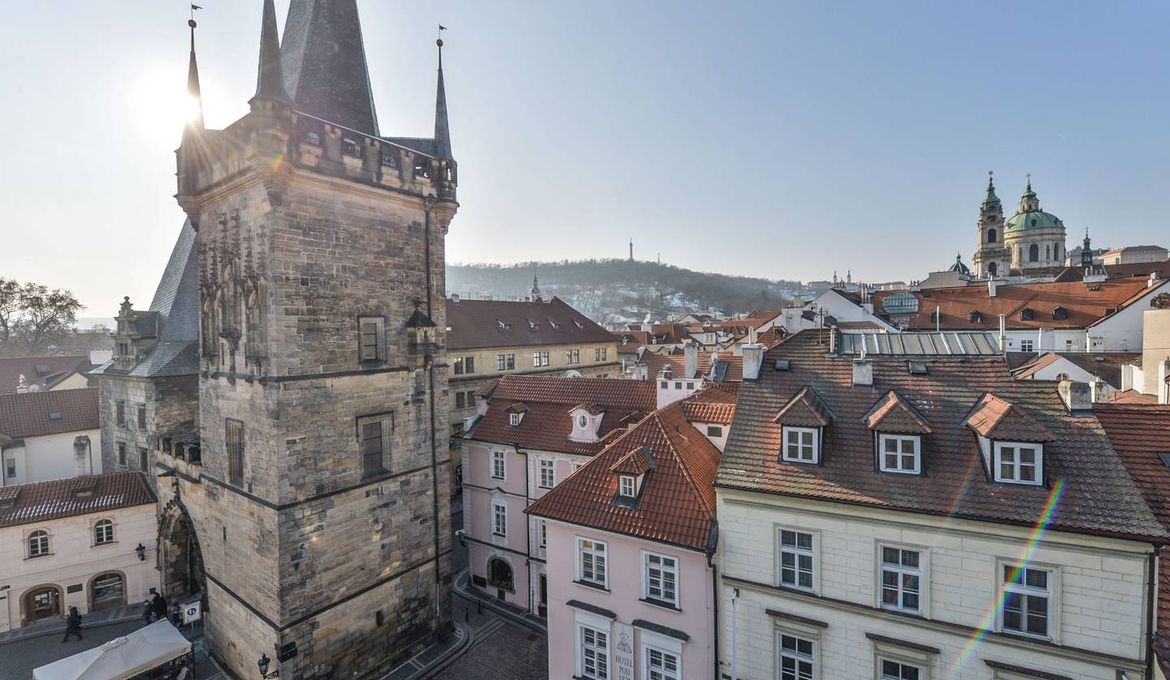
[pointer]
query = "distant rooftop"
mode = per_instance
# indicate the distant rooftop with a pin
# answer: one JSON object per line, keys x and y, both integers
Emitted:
{"x": 919, "y": 344}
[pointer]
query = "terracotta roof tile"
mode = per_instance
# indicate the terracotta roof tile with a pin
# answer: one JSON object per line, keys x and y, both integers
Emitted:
{"x": 476, "y": 324}
{"x": 894, "y": 414}
{"x": 710, "y": 405}
{"x": 996, "y": 418}
{"x": 1098, "y": 494}
{"x": 43, "y": 501}
{"x": 676, "y": 504}
{"x": 33, "y": 414}
{"x": 638, "y": 461}
{"x": 804, "y": 409}
{"x": 44, "y": 372}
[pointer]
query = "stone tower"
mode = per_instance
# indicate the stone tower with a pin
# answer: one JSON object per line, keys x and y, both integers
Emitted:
{"x": 319, "y": 501}
{"x": 1034, "y": 239}
{"x": 991, "y": 258}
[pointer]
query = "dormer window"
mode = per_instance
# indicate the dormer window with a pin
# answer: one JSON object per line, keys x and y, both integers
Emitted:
{"x": 801, "y": 444}
{"x": 514, "y": 419}
{"x": 1060, "y": 314}
{"x": 582, "y": 421}
{"x": 1018, "y": 463}
{"x": 1027, "y": 315}
{"x": 900, "y": 453}
{"x": 626, "y": 486}
{"x": 976, "y": 317}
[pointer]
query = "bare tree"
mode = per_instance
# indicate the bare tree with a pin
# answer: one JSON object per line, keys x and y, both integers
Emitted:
{"x": 44, "y": 315}
{"x": 9, "y": 305}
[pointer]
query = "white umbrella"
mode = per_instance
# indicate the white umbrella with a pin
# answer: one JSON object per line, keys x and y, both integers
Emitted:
{"x": 122, "y": 657}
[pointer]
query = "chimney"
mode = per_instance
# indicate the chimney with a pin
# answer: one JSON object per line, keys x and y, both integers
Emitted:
{"x": 990, "y": 288}
{"x": 1155, "y": 350}
{"x": 690, "y": 360}
{"x": 1153, "y": 280}
{"x": 641, "y": 372}
{"x": 81, "y": 456}
{"x": 1002, "y": 334}
{"x": 833, "y": 339}
{"x": 753, "y": 361}
{"x": 862, "y": 373}
{"x": 1077, "y": 396}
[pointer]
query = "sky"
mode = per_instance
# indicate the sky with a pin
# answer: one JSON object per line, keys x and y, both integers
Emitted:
{"x": 777, "y": 139}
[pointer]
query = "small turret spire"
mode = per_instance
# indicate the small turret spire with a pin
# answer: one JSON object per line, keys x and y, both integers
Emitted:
{"x": 1087, "y": 251}
{"x": 442, "y": 130}
{"x": 270, "y": 73}
{"x": 193, "y": 90}
{"x": 990, "y": 201}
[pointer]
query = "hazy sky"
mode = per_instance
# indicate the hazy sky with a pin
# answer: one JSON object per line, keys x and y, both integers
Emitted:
{"x": 779, "y": 139}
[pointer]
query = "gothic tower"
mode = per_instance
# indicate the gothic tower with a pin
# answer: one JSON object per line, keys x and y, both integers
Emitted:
{"x": 320, "y": 502}
{"x": 991, "y": 258}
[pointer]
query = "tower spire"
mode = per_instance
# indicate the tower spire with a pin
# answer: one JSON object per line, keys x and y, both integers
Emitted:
{"x": 442, "y": 130}
{"x": 270, "y": 74}
{"x": 193, "y": 90}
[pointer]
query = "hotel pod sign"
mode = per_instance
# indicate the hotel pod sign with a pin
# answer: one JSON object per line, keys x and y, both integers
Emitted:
{"x": 623, "y": 651}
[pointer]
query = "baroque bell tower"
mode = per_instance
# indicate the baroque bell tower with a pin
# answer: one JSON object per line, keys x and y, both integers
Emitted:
{"x": 991, "y": 258}
{"x": 321, "y": 509}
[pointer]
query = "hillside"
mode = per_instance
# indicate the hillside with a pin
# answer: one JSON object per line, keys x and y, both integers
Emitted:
{"x": 614, "y": 291}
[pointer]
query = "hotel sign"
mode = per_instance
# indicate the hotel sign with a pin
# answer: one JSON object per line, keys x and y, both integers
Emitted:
{"x": 623, "y": 651}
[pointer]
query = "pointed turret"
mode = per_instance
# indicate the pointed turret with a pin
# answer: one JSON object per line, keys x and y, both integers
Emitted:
{"x": 535, "y": 289}
{"x": 324, "y": 63}
{"x": 1028, "y": 201}
{"x": 442, "y": 131}
{"x": 991, "y": 202}
{"x": 1087, "y": 251}
{"x": 270, "y": 74}
{"x": 193, "y": 91}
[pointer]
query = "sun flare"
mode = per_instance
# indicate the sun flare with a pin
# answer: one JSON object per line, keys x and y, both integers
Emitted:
{"x": 162, "y": 106}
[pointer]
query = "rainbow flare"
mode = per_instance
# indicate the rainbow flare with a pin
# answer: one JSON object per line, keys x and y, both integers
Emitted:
{"x": 1025, "y": 558}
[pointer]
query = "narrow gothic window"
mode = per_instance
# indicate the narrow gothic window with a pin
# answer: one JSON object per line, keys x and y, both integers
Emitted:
{"x": 372, "y": 447}
{"x": 234, "y": 438}
{"x": 370, "y": 343}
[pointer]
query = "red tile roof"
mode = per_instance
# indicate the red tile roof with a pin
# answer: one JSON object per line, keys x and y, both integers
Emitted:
{"x": 996, "y": 418}
{"x": 1084, "y": 304}
{"x": 33, "y": 414}
{"x": 1098, "y": 495}
{"x": 43, "y": 372}
{"x": 476, "y": 324}
{"x": 546, "y": 424}
{"x": 44, "y": 501}
{"x": 710, "y": 405}
{"x": 676, "y": 504}
{"x": 1141, "y": 435}
{"x": 894, "y": 414}
{"x": 677, "y": 362}
{"x": 804, "y": 409}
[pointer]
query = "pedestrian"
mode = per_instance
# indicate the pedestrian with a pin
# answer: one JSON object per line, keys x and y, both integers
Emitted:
{"x": 147, "y": 610}
{"x": 160, "y": 605}
{"x": 72, "y": 624}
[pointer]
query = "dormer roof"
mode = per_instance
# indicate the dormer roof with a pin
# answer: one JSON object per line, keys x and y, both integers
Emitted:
{"x": 805, "y": 409}
{"x": 591, "y": 409}
{"x": 637, "y": 462}
{"x": 894, "y": 414}
{"x": 996, "y": 418}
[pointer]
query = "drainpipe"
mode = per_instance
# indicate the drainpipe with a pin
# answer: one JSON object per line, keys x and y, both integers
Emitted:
{"x": 527, "y": 528}
{"x": 1151, "y": 598}
{"x": 734, "y": 637}
{"x": 714, "y": 608}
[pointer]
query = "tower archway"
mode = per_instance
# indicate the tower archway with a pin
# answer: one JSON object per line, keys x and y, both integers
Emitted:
{"x": 180, "y": 559}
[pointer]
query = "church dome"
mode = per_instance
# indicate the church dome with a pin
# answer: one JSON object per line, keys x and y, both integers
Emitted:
{"x": 1030, "y": 216}
{"x": 958, "y": 266}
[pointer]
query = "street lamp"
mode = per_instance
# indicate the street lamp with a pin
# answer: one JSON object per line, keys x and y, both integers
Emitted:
{"x": 141, "y": 550}
{"x": 262, "y": 664}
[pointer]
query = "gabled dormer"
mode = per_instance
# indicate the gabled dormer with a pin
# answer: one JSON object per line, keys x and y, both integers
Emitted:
{"x": 516, "y": 413}
{"x": 586, "y": 423}
{"x": 802, "y": 424}
{"x": 630, "y": 472}
{"x": 1011, "y": 442}
{"x": 135, "y": 333}
{"x": 897, "y": 429}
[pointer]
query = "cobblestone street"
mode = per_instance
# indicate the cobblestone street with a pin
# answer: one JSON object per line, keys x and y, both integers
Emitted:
{"x": 501, "y": 651}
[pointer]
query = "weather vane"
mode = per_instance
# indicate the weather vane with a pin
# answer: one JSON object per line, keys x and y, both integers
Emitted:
{"x": 193, "y": 8}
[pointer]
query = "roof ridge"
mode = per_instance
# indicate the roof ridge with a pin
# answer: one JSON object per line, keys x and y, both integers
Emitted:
{"x": 678, "y": 456}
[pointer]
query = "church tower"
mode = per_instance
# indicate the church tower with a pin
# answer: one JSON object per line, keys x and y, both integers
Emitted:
{"x": 1035, "y": 239}
{"x": 320, "y": 502}
{"x": 991, "y": 258}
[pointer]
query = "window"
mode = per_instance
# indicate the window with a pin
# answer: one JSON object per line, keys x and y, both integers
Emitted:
{"x": 539, "y": 359}
{"x": 800, "y": 444}
{"x": 1068, "y": 345}
{"x": 38, "y": 543}
{"x": 513, "y": 419}
{"x": 677, "y": 385}
{"x": 547, "y": 473}
{"x": 660, "y": 578}
{"x": 103, "y": 532}
{"x": 1027, "y": 346}
{"x": 373, "y": 445}
{"x": 1026, "y": 598}
{"x": 469, "y": 364}
{"x": 1027, "y": 314}
{"x": 893, "y": 670}
{"x": 143, "y": 458}
{"x": 899, "y": 453}
{"x": 1034, "y": 253}
{"x": 498, "y": 462}
{"x": 626, "y": 486}
{"x": 600, "y": 353}
{"x": 591, "y": 562}
{"x": 796, "y": 658}
{"x": 120, "y": 413}
{"x": 10, "y": 468}
{"x": 543, "y": 533}
{"x": 901, "y": 579}
{"x": 459, "y": 366}
{"x": 661, "y": 665}
{"x": 370, "y": 338}
{"x": 665, "y": 384}
{"x": 122, "y": 454}
{"x": 594, "y": 653}
{"x": 499, "y": 519}
{"x": 501, "y": 362}
{"x": 714, "y": 431}
{"x": 511, "y": 362}
{"x": 991, "y": 236}
{"x": 459, "y": 400}
{"x": 1018, "y": 463}
{"x": 796, "y": 559}
{"x": 234, "y": 438}
{"x": 573, "y": 356}
{"x": 142, "y": 416}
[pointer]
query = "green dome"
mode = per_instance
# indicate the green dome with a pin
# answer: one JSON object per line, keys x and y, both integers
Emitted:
{"x": 1036, "y": 219}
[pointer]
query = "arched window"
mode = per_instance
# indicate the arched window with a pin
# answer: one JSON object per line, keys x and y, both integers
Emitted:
{"x": 38, "y": 543}
{"x": 106, "y": 591}
{"x": 103, "y": 532}
{"x": 1048, "y": 252}
{"x": 1056, "y": 252}
{"x": 992, "y": 269}
{"x": 500, "y": 574}
{"x": 1034, "y": 252}
{"x": 991, "y": 236}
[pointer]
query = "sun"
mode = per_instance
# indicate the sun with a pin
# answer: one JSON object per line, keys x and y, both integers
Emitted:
{"x": 161, "y": 106}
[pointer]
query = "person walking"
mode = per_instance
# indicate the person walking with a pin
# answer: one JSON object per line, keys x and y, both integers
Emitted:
{"x": 147, "y": 610}
{"x": 72, "y": 624}
{"x": 160, "y": 605}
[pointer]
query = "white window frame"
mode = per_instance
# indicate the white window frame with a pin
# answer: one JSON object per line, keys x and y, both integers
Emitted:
{"x": 921, "y": 571}
{"x": 649, "y": 643}
{"x": 542, "y": 533}
{"x": 45, "y": 536}
{"x": 901, "y": 439}
{"x": 499, "y": 519}
{"x": 1050, "y": 593}
{"x": 549, "y": 466}
{"x": 1017, "y": 466}
{"x": 499, "y": 464}
{"x": 103, "y": 522}
{"x": 886, "y": 658}
{"x": 801, "y": 445}
{"x": 626, "y": 486}
{"x": 599, "y": 651}
{"x": 652, "y": 562}
{"x": 592, "y": 551}
{"x": 797, "y": 552}
{"x": 796, "y": 655}
{"x": 514, "y": 419}
{"x": 1027, "y": 345}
